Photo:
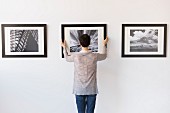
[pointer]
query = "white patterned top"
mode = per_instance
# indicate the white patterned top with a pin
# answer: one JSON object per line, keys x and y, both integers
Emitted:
{"x": 85, "y": 67}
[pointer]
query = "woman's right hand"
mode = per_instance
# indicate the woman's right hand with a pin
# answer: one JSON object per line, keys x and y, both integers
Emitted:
{"x": 105, "y": 41}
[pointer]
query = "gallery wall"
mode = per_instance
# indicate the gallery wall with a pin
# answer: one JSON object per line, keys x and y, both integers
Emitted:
{"x": 44, "y": 85}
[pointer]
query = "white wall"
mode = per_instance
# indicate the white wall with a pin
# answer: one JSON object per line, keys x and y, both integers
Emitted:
{"x": 126, "y": 85}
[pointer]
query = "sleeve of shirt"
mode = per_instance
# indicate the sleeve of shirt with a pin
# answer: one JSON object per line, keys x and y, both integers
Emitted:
{"x": 69, "y": 58}
{"x": 103, "y": 55}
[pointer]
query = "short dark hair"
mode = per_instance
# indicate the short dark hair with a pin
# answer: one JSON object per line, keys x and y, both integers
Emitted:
{"x": 84, "y": 40}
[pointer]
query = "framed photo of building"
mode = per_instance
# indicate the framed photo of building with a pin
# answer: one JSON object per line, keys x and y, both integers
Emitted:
{"x": 144, "y": 40}
{"x": 71, "y": 33}
{"x": 24, "y": 40}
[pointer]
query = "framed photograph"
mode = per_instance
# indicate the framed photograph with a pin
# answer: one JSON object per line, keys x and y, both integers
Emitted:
{"x": 71, "y": 33}
{"x": 24, "y": 40}
{"x": 144, "y": 40}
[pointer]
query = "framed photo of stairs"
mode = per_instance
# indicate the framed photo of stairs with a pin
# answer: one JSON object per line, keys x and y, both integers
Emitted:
{"x": 24, "y": 40}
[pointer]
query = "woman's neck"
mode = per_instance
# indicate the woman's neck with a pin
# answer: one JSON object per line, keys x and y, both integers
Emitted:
{"x": 85, "y": 49}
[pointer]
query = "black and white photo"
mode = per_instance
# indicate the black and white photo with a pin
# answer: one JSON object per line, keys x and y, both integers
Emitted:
{"x": 72, "y": 32}
{"x": 24, "y": 40}
{"x": 74, "y": 41}
{"x": 144, "y": 40}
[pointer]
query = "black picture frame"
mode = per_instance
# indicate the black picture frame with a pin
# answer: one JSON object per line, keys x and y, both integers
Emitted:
{"x": 144, "y": 40}
{"x": 24, "y": 40}
{"x": 67, "y": 29}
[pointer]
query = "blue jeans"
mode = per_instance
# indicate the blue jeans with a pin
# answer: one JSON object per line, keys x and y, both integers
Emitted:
{"x": 85, "y": 103}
